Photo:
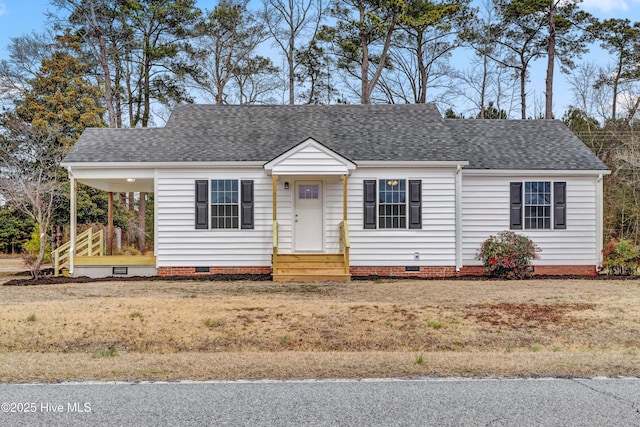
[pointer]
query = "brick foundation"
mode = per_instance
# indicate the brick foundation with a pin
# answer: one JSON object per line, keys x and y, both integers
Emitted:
{"x": 191, "y": 271}
{"x": 475, "y": 270}
{"x": 565, "y": 270}
{"x": 435, "y": 272}
{"x": 472, "y": 270}
{"x": 402, "y": 272}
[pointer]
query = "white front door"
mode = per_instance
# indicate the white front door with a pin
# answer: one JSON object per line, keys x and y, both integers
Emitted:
{"x": 308, "y": 229}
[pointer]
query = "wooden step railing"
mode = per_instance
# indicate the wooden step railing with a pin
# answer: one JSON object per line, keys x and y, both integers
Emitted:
{"x": 274, "y": 253}
{"x": 345, "y": 244}
{"x": 88, "y": 243}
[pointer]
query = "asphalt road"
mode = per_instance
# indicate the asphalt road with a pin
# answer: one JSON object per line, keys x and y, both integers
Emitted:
{"x": 420, "y": 402}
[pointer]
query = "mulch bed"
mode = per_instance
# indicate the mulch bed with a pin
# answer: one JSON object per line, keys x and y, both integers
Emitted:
{"x": 53, "y": 280}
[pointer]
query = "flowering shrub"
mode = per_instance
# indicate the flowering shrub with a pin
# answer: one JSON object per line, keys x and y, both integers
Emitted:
{"x": 508, "y": 255}
{"x": 621, "y": 257}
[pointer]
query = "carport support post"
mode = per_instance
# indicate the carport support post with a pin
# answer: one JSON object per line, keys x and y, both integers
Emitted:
{"x": 110, "y": 225}
{"x": 72, "y": 232}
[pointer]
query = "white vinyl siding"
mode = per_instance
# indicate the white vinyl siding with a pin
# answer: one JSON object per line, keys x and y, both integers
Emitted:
{"x": 435, "y": 241}
{"x": 177, "y": 241}
{"x": 485, "y": 212}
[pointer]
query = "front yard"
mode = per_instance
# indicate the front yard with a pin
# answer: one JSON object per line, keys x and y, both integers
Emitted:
{"x": 164, "y": 330}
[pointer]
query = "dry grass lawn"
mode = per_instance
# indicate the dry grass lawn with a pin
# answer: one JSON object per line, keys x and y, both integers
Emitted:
{"x": 165, "y": 330}
{"x": 10, "y": 264}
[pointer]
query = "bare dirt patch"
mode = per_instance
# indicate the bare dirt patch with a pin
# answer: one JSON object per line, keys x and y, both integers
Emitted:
{"x": 245, "y": 329}
{"x": 518, "y": 316}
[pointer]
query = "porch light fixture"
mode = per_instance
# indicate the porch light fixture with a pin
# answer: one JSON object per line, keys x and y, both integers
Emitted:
{"x": 131, "y": 180}
{"x": 286, "y": 185}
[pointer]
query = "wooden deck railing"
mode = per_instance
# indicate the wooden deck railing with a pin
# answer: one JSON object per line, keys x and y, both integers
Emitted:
{"x": 88, "y": 243}
{"x": 345, "y": 244}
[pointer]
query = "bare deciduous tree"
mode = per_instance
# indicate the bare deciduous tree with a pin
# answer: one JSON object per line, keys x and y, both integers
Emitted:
{"x": 292, "y": 24}
{"x": 225, "y": 40}
{"x": 29, "y": 176}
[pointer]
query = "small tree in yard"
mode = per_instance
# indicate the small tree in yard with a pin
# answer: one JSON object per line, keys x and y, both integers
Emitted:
{"x": 508, "y": 255}
{"x": 29, "y": 180}
{"x": 35, "y": 136}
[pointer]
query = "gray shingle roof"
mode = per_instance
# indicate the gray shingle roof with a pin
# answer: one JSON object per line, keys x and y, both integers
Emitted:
{"x": 358, "y": 132}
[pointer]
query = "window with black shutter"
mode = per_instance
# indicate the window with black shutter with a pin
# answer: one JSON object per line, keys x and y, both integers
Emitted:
{"x": 224, "y": 204}
{"x": 370, "y": 203}
{"x": 202, "y": 204}
{"x": 559, "y": 205}
{"x": 391, "y": 203}
{"x": 516, "y": 206}
{"x": 246, "y": 204}
{"x": 415, "y": 204}
{"x": 534, "y": 208}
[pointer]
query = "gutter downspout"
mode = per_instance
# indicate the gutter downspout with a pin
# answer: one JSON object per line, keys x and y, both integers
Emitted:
{"x": 599, "y": 220}
{"x": 155, "y": 216}
{"x": 458, "y": 219}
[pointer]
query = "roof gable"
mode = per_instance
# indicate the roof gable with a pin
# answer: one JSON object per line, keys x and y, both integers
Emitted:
{"x": 310, "y": 158}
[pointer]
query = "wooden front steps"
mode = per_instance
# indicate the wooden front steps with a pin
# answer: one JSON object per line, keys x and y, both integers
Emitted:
{"x": 310, "y": 268}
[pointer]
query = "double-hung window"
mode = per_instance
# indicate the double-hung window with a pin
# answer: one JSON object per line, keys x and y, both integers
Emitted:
{"x": 392, "y": 207}
{"x": 538, "y": 205}
{"x": 224, "y": 204}
{"x": 392, "y": 203}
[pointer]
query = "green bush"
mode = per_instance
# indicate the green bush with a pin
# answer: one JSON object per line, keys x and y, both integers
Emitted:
{"x": 32, "y": 247}
{"x": 508, "y": 255}
{"x": 621, "y": 257}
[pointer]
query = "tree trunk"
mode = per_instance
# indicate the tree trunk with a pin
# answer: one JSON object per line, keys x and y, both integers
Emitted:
{"x": 383, "y": 58}
{"x": 290, "y": 57}
{"x": 551, "y": 57}
{"x": 616, "y": 82}
{"x": 365, "y": 96}
{"x": 117, "y": 100}
{"x": 131, "y": 205}
{"x": 35, "y": 268}
{"x": 523, "y": 95}
{"x": 146, "y": 113}
{"x": 103, "y": 59}
{"x": 483, "y": 87}
{"x": 108, "y": 92}
{"x": 422, "y": 71}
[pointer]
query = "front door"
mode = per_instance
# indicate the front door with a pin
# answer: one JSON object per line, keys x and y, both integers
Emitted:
{"x": 308, "y": 229}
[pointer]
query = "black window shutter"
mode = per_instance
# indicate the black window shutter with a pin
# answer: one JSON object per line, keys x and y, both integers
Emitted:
{"x": 516, "y": 206}
{"x": 202, "y": 204}
{"x": 560, "y": 205}
{"x": 415, "y": 204}
{"x": 246, "y": 205}
{"x": 369, "y": 203}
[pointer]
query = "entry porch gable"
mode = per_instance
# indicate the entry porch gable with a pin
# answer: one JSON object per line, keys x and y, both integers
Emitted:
{"x": 303, "y": 170}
